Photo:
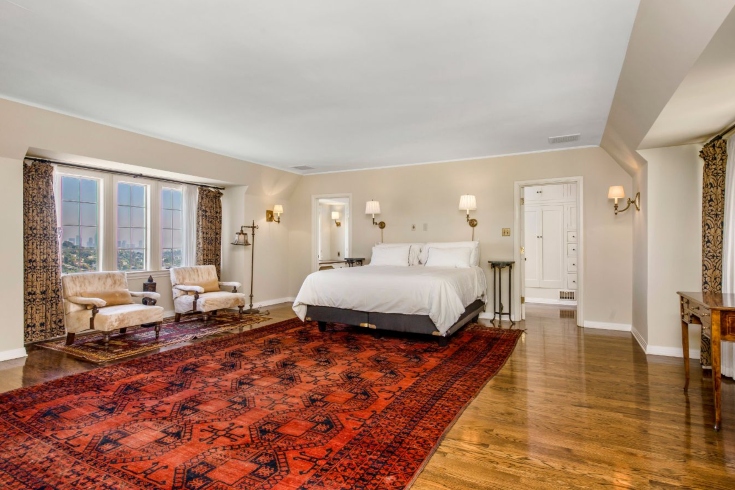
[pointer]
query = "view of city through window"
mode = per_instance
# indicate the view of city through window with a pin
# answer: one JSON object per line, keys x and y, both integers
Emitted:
{"x": 131, "y": 227}
{"x": 79, "y": 219}
{"x": 171, "y": 228}
{"x": 80, "y": 203}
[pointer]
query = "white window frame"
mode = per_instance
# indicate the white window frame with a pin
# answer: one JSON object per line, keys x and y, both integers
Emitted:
{"x": 107, "y": 218}
{"x": 101, "y": 211}
{"x": 180, "y": 188}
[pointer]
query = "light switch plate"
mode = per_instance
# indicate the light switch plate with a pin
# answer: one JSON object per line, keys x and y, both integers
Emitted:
{"x": 506, "y": 231}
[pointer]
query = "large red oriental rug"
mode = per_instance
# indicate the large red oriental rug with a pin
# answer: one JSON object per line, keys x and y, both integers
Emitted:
{"x": 281, "y": 407}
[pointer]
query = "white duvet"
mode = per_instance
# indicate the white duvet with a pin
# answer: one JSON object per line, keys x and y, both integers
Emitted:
{"x": 442, "y": 293}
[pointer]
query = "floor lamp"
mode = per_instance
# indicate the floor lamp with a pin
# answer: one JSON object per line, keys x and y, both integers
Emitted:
{"x": 241, "y": 238}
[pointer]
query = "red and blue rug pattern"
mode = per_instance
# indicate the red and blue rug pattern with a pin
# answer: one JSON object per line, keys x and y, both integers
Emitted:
{"x": 280, "y": 407}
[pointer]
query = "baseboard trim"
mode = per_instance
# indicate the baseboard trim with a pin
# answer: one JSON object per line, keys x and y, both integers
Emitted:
{"x": 659, "y": 350}
{"x": 271, "y": 302}
{"x": 486, "y": 315}
{"x": 620, "y": 327}
{"x": 7, "y": 355}
{"x": 544, "y": 301}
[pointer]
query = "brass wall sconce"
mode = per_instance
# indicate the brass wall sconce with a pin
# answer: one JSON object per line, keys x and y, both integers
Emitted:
{"x": 468, "y": 203}
{"x": 617, "y": 192}
{"x": 277, "y": 210}
{"x": 373, "y": 208}
{"x": 335, "y": 217}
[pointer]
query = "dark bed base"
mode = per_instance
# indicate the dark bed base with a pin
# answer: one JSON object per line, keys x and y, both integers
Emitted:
{"x": 396, "y": 322}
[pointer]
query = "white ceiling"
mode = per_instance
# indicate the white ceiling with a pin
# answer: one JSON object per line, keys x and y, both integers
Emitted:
{"x": 333, "y": 84}
{"x": 704, "y": 103}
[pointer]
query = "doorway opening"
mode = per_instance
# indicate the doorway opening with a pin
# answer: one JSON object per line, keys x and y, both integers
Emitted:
{"x": 549, "y": 245}
{"x": 332, "y": 231}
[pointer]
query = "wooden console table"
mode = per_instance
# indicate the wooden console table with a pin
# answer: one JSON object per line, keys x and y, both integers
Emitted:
{"x": 716, "y": 313}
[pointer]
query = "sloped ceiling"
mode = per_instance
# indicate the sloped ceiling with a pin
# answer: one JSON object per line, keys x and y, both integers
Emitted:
{"x": 704, "y": 103}
{"x": 331, "y": 84}
{"x": 668, "y": 37}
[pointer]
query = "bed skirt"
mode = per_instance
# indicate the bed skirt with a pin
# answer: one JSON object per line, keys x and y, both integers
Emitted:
{"x": 396, "y": 322}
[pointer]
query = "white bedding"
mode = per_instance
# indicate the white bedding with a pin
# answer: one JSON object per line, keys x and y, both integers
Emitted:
{"x": 442, "y": 293}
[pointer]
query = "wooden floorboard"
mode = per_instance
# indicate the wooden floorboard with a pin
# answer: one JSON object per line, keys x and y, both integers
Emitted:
{"x": 572, "y": 408}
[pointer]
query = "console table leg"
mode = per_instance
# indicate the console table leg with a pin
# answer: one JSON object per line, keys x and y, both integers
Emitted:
{"x": 685, "y": 343}
{"x": 716, "y": 360}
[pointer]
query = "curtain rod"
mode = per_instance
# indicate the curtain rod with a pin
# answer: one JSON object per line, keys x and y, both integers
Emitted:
{"x": 120, "y": 172}
{"x": 726, "y": 131}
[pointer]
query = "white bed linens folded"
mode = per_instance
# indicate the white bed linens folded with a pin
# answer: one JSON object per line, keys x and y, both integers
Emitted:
{"x": 442, "y": 293}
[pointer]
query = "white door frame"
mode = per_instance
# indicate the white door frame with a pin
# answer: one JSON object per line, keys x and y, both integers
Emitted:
{"x": 518, "y": 278}
{"x": 315, "y": 225}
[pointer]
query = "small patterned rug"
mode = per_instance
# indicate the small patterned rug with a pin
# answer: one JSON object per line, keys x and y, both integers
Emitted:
{"x": 137, "y": 340}
{"x": 280, "y": 407}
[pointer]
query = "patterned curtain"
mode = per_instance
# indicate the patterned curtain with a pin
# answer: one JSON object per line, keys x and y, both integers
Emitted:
{"x": 714, "y": 155}
{"x": 44, "y": 315}
{"x": 209, "y": 228}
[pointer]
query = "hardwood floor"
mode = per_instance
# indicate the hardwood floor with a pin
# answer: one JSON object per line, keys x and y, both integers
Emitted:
{"x": 572, "y": 408}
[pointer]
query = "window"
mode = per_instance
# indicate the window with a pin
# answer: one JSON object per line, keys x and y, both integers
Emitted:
{"x": 132, "y": 225}
{"x": 79, "y": 224}
{"x": 171, "y": 227}
{"x": 113, "y": 222}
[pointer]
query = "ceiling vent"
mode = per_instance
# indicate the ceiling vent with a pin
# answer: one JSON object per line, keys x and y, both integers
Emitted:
{"x": 564, "y": 139}
{"x": 303, "y": 167}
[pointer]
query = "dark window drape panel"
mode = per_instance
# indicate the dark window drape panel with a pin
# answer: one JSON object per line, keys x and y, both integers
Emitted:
{"x": 43, "y": 311}
{"x": 209, "y": 228}
{"x": 714, "y": 155}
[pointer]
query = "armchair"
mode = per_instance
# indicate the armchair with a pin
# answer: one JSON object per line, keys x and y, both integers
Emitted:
{"x": 101, "y": 301}
{"x": 197, "y": 290}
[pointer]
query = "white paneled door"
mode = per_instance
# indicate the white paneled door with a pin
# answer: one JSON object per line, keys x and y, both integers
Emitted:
{"x": 544, "y": 242}
{"x": 531, "y": 233}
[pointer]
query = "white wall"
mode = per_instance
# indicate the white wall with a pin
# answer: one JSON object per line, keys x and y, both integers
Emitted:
{"x": 271, "y": 245}
{"x": 674, "y": 251}
{"x": 640, "y": 258}
{"x": 11, "y": 253}
{"x": 337, "y": 233}
{"x": 430, "y": 194}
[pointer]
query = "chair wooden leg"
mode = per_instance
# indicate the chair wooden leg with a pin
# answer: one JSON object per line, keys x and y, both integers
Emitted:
{"x": 158, "y": 329}
{"x": 177, "y": 317}
{"x": 124, "y": 329}
{"x": 443, "y": 341}
{"x": 70, "y": 338}
{"x": 214, "y": 313}
{"x": 107, "y": 339}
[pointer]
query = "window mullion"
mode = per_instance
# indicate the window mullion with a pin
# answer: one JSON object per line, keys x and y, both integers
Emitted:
{"x": 154, "y": 225}
{"x": 110, "y": 223}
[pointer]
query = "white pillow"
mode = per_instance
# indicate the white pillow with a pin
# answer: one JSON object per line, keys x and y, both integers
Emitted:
{"x": 390, "y": 255}
{"x": 413, "y": 254}
{"x": 449, "y": 257}
{"x": 473, "y": 246}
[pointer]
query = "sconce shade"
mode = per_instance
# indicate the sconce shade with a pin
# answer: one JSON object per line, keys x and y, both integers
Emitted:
{"x": 372, "y": 207}
{"x": 278, "y": 209}
{"x": 616, "y": 192}
{"x": 467, "y": 203}
{"x": 335, "y": 214}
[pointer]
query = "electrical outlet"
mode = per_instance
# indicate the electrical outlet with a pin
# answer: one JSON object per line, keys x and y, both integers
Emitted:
{"x": 506, "y": 231}
{"x": 413, "y": 227}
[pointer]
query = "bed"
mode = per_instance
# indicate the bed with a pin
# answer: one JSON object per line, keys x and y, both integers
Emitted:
{"x": 415, "y": 297}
